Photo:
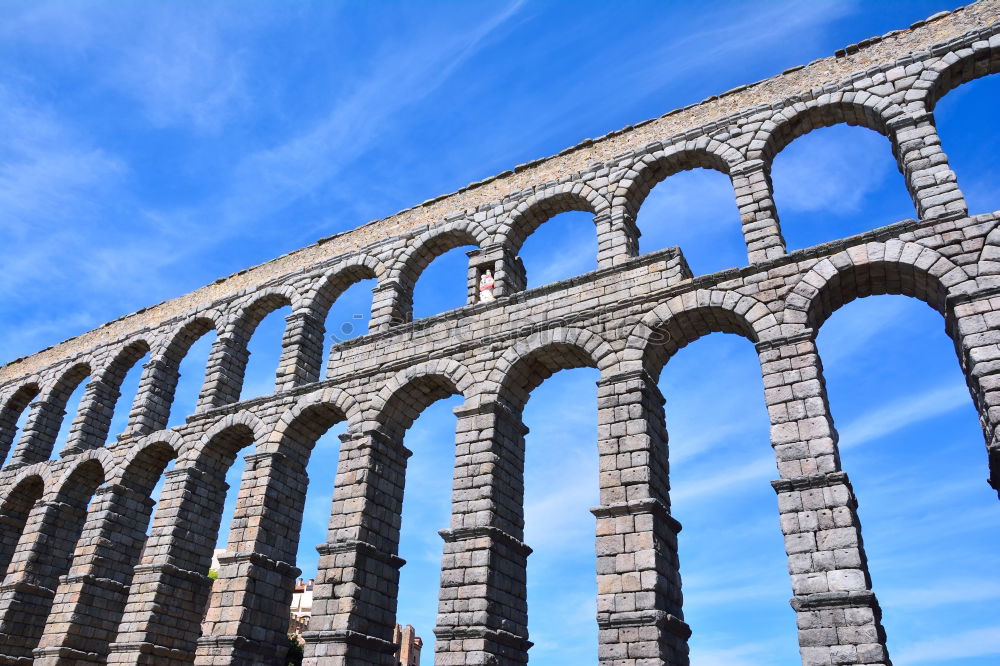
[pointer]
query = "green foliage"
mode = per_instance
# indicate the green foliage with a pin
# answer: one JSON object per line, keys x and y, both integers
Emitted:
{"x": 295, "y": 651}
{"x": 213, "y": 574}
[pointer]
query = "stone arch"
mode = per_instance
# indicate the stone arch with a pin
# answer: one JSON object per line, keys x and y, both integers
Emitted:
{"x": 410, "y": 391}
{"x": 545, "y": 203}
{"x": 143, "y": 466}
{"x": 228, "y": 359}
{"x": 523, "y": 367}
{"x": 254, "y": 307}
{"x": 13, "y": 407}
{"x": 909, "y": 269}
{"x": 218, "y": 447}
{"x": 24, "y": 491}
{"x": 158, "y": 384}
{"x": 307, "y": 420}
{"x": 337, "y": 280}
{"x": 176, "y": 346}
{"x": 41, "y": 471}
{"x": 860, "y": 108}
{"x": 954, "y": 69}
{"x": 121, "y": 362}
{"x": 46, "y": 417}
{"x": 91, "y": 428}
{"x": 852, "y": 108}
{"x": 419, "y": 253}
{"x": 893, "y": 267}
{"x": 88, "y": 471}
{"x": 655, "y": 167}
{"x": 683, "y": 319}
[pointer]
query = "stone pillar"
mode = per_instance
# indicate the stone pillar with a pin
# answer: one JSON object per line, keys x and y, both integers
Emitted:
{"x": 247, "y": 619}
{"x": 90, "y": 599}
{"x": 90, "y": 426}
{"x": 508, "y": 270}
{"x": 638, "y": 574}
{"x": 170, "y": 586}
{"x": 13, "y": 406}
{"x": 390, "y": 306}
{"x": 153, "y": 397}
{"x": 617, "y": 239}
{"x": 482, "y": 609}
{"x": 223, "y": 373}
{"x": 974, "y": 324}
{"x": 932, "y": 184}
{"x": 838, "y": 616}
{"x": 354, "y": 598}
{"x": 301, "y": 351}
{"x": 41, "y": 429}
{"x": 755, "y": 200}
{"x": 43, "y": 554}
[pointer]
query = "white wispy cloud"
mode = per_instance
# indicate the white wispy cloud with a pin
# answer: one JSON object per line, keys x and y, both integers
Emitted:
{"x": 980, "y": 642}
{"x": 755, "y": 653}
{"x": 903, "y": 412}
{"x": 943, "y": 592}
{"x": 402, "y": 74}
{"x": 181, "y": 64}
{"x": 842, "y": 181}
{"x": 727, "y": 480}
{"x": 48, "y": 172}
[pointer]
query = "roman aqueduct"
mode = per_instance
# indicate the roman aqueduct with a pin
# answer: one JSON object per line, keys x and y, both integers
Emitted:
{"x": 84, "y": 584}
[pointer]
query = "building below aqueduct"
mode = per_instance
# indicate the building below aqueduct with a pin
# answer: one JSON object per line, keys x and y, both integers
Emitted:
{"x": 94, "y": 576}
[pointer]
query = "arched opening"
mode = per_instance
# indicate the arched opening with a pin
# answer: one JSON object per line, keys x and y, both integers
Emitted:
{"x": 65, "y": 401}
{"x": 14, "y": 512}
{"x": 551, "y": 393}
{"x": 427, "y": 508}
{"x": 125, "y": 375}
{"x": 434, "y": 275}
{"x": 732, "y": 556}
{"x": 44, "y": 554}
{"x": 234, "y": 472}
{"x": 13, "y": 416}
{"x": 326, "y": 428}
{"x": 344, "y": 304}
{"x": 910, "y": 444}
{"x": 191, "y": 362}
{"x": 966, "y": 119}
{"x": 558, "y": 525}
{"x": 171, "y": 586}
{"x": 273, "y": 515}
{"x": 834, "y": 182}
{"x": 418, "y": 416}
{"x": 719, "y": 466}
{"x": 443, "y": 284}
{"x": 559, "y": 247}
{"x": 266, "y": 320}
{"x": 696, "y": 210}
{"x": 90, "y": 602}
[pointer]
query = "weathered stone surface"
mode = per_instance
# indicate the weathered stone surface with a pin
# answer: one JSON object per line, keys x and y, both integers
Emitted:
{"x": 87, "y": 586}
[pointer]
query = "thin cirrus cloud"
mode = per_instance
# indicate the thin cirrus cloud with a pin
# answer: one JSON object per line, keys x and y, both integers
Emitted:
{"x": 257, "y": 160}
{"x": 181, "y": 68}
{"x": 945, "y": 648}
{"x": 400, "y": 76}
{"x": 849, "y": 173}
{"x": 903, "y": 413}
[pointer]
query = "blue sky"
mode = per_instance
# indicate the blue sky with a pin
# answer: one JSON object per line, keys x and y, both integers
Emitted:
{"x": 148, "y": 149}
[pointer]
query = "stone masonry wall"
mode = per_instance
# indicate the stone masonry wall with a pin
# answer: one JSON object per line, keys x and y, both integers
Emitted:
{"x": 92, "y": 576}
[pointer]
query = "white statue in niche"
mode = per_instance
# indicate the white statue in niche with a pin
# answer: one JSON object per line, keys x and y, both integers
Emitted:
{"x": 486, "y": 284}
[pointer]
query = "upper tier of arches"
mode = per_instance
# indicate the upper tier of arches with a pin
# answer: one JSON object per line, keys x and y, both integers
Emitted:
{"x": 895, "y": 100}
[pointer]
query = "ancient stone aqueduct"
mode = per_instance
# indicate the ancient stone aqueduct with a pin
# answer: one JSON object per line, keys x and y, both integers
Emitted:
{"x": 87, "y": 586}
